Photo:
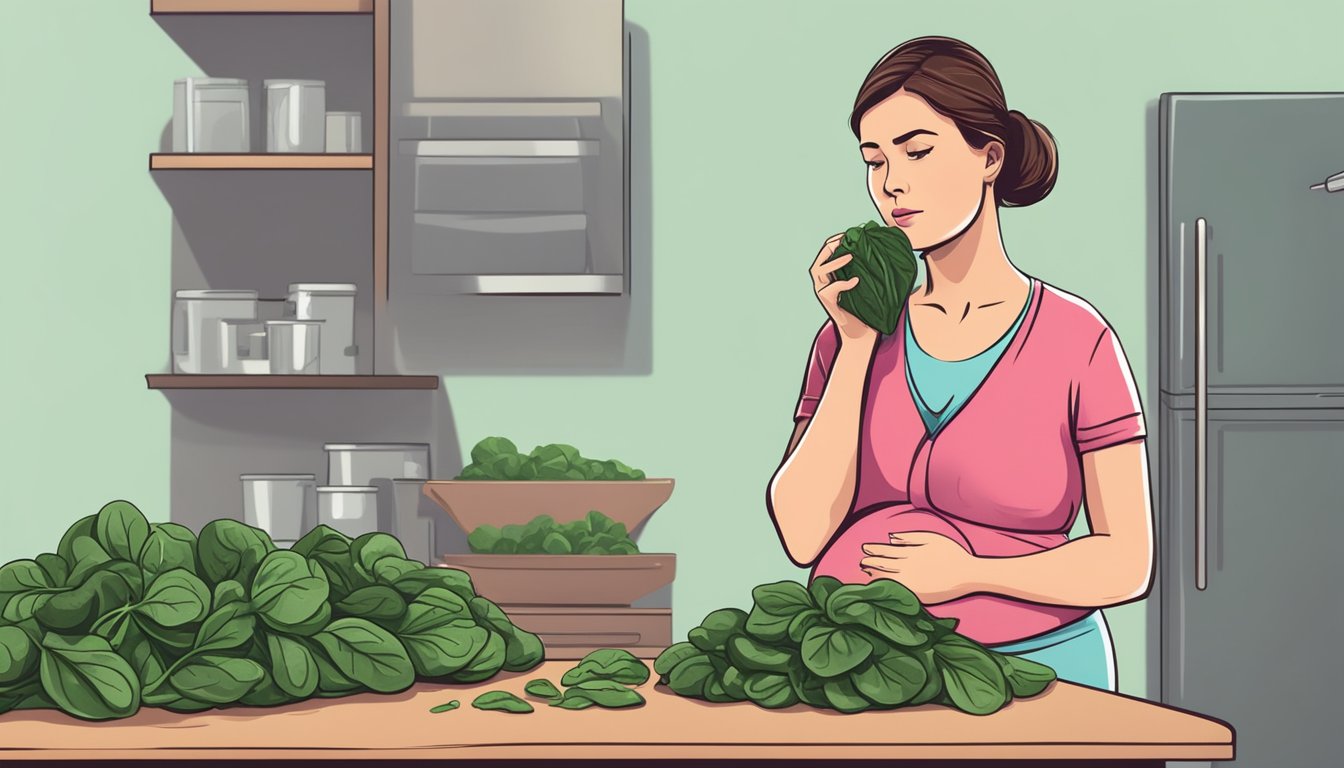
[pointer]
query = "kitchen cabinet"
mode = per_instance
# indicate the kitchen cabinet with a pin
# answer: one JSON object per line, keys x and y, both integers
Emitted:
{"x": 1072, "y": 724}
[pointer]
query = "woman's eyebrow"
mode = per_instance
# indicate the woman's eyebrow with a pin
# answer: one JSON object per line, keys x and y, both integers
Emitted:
{"x": 904, "y": 137}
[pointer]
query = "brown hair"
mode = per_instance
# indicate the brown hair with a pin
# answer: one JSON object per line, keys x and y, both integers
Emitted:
{"x": 958, "y": 82}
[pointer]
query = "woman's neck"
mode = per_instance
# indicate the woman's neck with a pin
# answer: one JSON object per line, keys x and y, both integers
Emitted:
{"x": 972, "y": 269}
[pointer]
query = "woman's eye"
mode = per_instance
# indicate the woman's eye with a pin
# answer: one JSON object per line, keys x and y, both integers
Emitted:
{"x": 873, "y": 164}
{"x": 918, "y": 154}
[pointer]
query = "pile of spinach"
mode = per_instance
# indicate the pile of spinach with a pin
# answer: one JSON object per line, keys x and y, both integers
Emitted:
{"x": 848, "y": 647}
{"x": 497, "y": 458}
{"x": 127, "y": 613}
{"x": 886, "y": 267}
{"x": 595, "y": 534}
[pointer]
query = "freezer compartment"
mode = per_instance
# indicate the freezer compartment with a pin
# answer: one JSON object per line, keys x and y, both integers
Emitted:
{"x": 486, "y": 184}
{"x": 503, "y": 243}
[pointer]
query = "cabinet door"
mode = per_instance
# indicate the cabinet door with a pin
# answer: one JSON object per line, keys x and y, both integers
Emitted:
{"x": 1244, "y": 163}
{"x": 1259, "y": 646}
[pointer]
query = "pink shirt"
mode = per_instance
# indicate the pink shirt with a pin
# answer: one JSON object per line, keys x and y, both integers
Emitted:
{"x": 1003, "y": 477}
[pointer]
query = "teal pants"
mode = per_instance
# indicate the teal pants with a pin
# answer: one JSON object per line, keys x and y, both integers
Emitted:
{"x": 1079, "y": 652}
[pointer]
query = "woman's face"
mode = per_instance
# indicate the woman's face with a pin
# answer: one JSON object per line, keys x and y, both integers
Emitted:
{"x": 917, "y": 160}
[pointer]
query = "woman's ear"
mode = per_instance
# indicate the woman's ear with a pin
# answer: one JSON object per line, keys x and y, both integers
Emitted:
{"x": 993, "y": 160}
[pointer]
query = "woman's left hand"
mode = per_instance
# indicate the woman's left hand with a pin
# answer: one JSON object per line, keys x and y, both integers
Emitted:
{"x": 934, "y": 567}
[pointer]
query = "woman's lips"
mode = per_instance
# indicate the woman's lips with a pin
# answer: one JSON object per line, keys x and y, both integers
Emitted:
{"x": 903, "y": 217}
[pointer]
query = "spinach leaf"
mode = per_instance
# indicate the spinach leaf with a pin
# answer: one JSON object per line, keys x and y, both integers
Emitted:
{"x": 55, "y": 568}
{"x": 770, "y": 690}
{"x": 372, "y": 547}
{"x": 322, "y": 540}
{"x": 81, "y": 528}
{"x": 831, "y": 651}
{"x": 292, "y": 667}
{"x": 367, "y": 654}
{"x": 610, "y": 664}
{"x": 542, "y": 688}
{"x": 603, "y": 693}
{"x": 169, "y": 546}
{"x": 88, "y": 555}
{"x": 885, "y": 611}
{"x": 122, "y": 530}
{"x": 18, "y": 655}
{"x": 971, "y": 677}
{"x": 716, "y": 628}
{"x": 375, "y": 602}
{"x": 1025, "y": 677}
{"x": 803, "y": 621}
{"x": 843, "y": 696}
{"x": 886, "y": 267}
{"x": 87, "y": 679}
{"x": 749, "y": 655}
{"x": 175, "y": 598}
{"x": 690, "y": 675}
{"x": 487, "y": 662}
{"x": 288, "y": 589}
{"x": 502, "y": 701}
{"x": 446, "y": 707}
{"x": 822, "y": 588}
{"x": 891, "y": 678}
{"x": 808, "y": 687}
{"x": 673, "y": 655}
{"x": 455, "y": 580}
{"x": 522, "y": 649}
{"x": 491, "y": 447}
{"x": 216, "y": 679}
{"x": 228, "y": 549}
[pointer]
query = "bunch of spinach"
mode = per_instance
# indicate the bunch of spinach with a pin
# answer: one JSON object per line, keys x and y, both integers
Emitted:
{"x": 497, "y": 458}
{"x": 885, "y": 265}
{"x": 595, "y": 534}
{"x": 848, "y": 647}
{"x": 127, "y": 613}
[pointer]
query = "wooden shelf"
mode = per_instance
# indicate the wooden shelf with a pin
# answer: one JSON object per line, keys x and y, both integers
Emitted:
{"x": 260, "y": 6}
{"x": 275, "y": 161}
{"x": 262, "y": 381}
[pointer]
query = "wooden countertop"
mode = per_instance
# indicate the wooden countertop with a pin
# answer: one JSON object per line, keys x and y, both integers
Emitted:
{"x": 1067, "y": 721}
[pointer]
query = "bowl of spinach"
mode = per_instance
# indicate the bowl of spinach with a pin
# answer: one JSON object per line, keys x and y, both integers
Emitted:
{"x": 501, "y": 486}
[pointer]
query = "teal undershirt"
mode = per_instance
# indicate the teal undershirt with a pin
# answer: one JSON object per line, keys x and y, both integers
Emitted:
{"x": 941, "y": 387}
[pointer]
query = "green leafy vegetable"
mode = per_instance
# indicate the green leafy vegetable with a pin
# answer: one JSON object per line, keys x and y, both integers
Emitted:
{"x": 886, "y": 267}
{"x": 497, "y": 458}
{"x": 595, "y": 534}
{"x": 454, "y": 704}
{"x": 502, "y": 701}
{"x": 846, "y": 647}
{"x": 603, "y": 693}
{"x": 610, "y": 664}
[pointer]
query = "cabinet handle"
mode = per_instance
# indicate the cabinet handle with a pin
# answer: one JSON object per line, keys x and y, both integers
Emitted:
{"x": 1201, "y": 404}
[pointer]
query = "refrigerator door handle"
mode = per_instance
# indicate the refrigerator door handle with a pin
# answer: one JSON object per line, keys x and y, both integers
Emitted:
{"x": 1201, "y": 404}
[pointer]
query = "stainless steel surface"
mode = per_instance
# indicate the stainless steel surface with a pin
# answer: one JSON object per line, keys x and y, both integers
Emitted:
{"x": 512, "y": 148}
{"x": 1201, "y": 403}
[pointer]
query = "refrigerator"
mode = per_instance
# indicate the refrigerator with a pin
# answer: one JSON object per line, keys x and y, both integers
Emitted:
{"x": 1251, "y": 419}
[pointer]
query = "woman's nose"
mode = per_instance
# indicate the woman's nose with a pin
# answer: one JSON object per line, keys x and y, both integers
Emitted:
{"x": 894, "y": 186}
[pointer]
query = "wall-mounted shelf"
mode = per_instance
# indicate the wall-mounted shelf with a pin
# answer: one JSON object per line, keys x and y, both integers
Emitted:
{"x": 499, "y": 148}
{"x": 493, "y": 108}
{"x": 262, "y": 381}
{"x": 165, "y": 161}
{"x": 260, "y": 6}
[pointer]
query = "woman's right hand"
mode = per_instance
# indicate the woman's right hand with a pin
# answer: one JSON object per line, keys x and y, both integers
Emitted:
{"x": 828, "y": 291}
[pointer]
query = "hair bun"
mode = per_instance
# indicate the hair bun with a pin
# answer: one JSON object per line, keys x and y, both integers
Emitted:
{"x": 1031, "y": 165}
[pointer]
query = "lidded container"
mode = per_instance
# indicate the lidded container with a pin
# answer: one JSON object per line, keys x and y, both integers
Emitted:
{"x": 296, "y": 115}
{"x": 352, "y": 510}
{"x": 284, "y": 506}
{"x": 360, "y": 463}
{"x": 294, "y": 346}
{"x": 196, "y": 332}
{"x": 334, "y": 304}
{"x": 210, "y": 115}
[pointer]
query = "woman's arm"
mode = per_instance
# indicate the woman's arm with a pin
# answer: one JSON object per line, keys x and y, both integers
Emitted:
{"x": 1112, "y": 565}
{"x": 810, "y": 494}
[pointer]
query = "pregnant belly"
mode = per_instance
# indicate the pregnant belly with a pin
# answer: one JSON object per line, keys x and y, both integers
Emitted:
{"x": 985, "y": 618}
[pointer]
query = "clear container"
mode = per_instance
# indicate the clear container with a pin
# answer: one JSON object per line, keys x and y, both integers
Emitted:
{"x": 210, "y": 115}
{"x": 334, "y": 304}
{"x": 293, "y": 346}
{"x": 344, "y": 132}
{"x": 196, "y": 334}
{"x": 352, "y": 510}
{"x": 409, "y": 515}
{"x": 360, "y": 463}
{"x": 237, "y": 351}
{"x": 284, "y": 506}
{"x": 296, "y": 112}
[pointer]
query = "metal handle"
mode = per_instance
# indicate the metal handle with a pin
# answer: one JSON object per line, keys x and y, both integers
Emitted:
{"x": 1201, "y": 404}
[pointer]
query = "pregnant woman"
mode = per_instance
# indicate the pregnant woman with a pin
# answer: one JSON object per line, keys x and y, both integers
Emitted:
{"x": 954, "y": 455}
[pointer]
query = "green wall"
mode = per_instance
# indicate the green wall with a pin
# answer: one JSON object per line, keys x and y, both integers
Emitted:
{"x": 752, "y": 167}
